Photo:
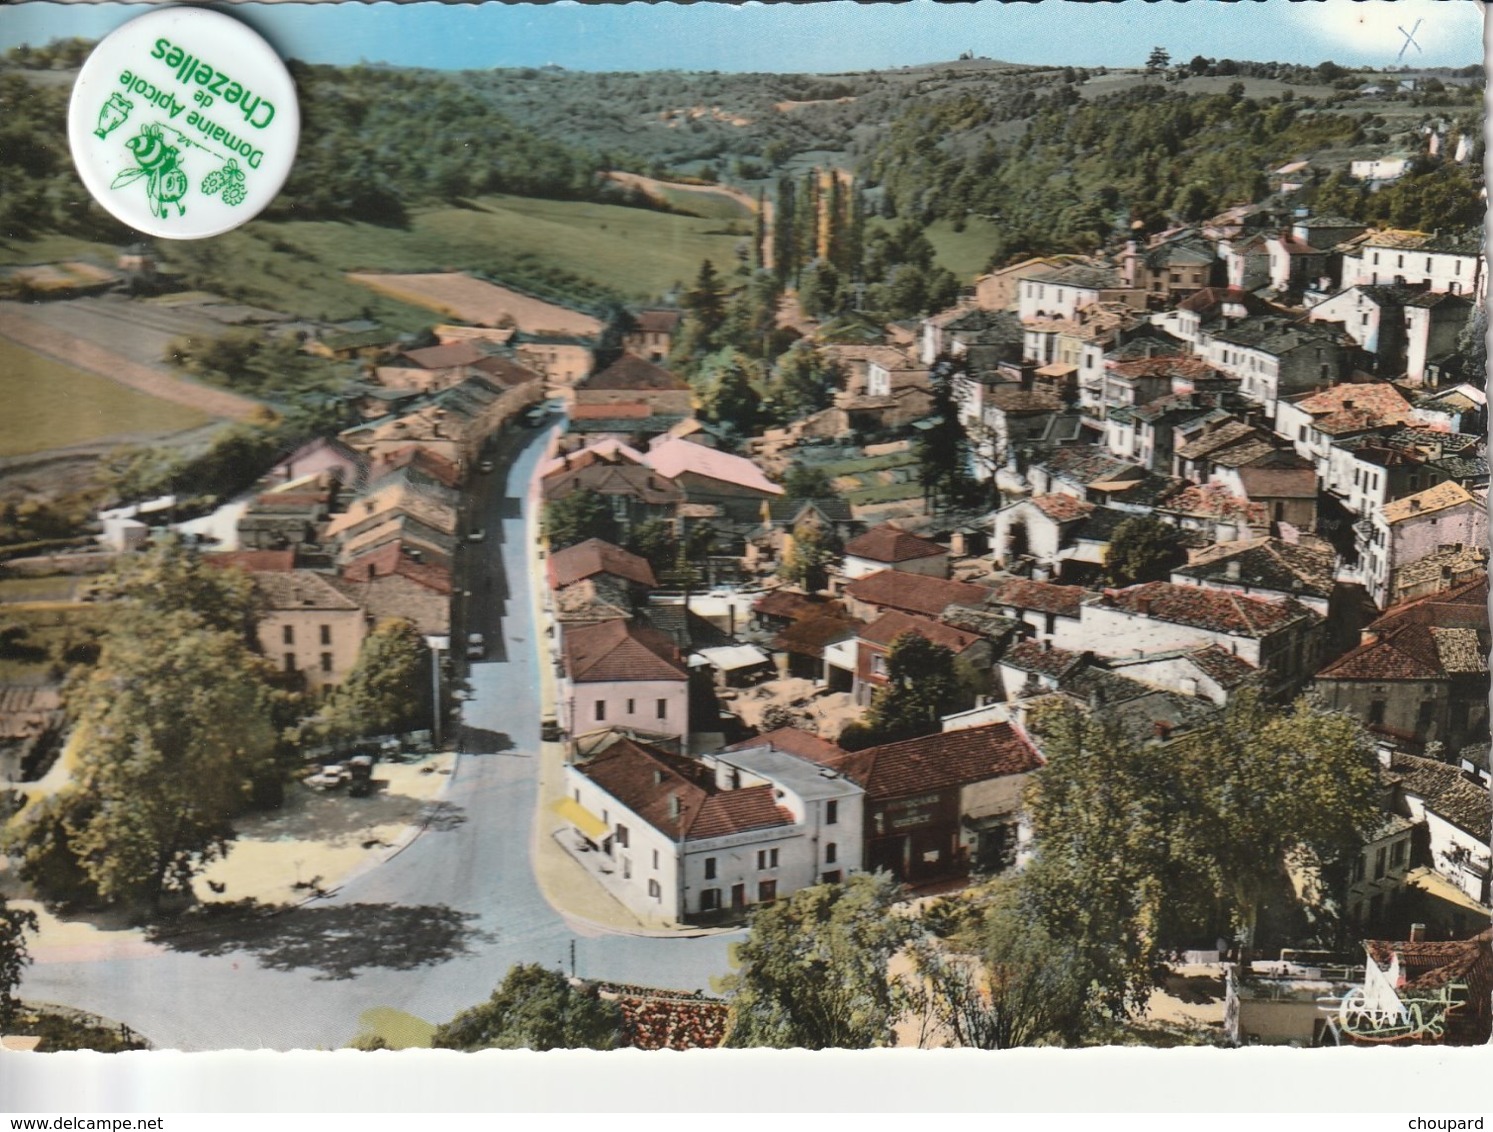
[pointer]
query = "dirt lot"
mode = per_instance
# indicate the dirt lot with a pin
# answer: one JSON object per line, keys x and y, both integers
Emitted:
{"x": 458, "y": 295}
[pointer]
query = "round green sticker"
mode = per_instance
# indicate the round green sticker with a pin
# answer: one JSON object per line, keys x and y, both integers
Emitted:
{"x": 183, "y": 123}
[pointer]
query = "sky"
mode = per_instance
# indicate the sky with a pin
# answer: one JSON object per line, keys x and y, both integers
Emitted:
{"x": 827, "y": 36}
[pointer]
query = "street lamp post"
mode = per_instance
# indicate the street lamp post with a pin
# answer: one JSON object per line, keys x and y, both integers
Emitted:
{"x": 437, "y": 645}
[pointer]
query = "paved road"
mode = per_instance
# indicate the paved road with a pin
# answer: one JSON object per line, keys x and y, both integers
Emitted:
{"x": 428, "y": 932}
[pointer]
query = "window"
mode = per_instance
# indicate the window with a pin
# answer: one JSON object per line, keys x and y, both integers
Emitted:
{"x": 1428, "y": 263}
{"x": 878, "y": 665}
{"x": 287, "y": 635}
{"x": 326, "y": 634}
{"x": 601, "y": 710}
{"x": 767, "y": 858}
{"x": 655, "y": 858}
{"x": 709, "y": 868}
{"x": 832, "y": 811}
{"x": 1423, "y": 715}
{"x": 1381, "y": 858}
{"x": 767, "y": 891}
{"x": 710, "y": 899}
{"x": 1358, "y": 869}
{"x": 326, "y": 662}
{"x": 1376, "y": 713}
{"x": 831, "y": 877}
{"x": 627, "y": 868}
{"x": 1397, "y": 852}
{"x": 662, "y": 707}
{"x": 1400, "y": 261}
{"x": 631, "y": 706}
{"x": 622, "y": 835}
{"x": 831, "y": 853}
{"x": 290, "y": 662}
{"x": 655, "y": 890}
{"x": 1376, "y": 258}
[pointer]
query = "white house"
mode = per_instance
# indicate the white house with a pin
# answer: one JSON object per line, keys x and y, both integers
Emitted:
{"x": 680, "y": 839}
{"x": 1280, "y": 638}
{"x": 1405, "y": 531}
{"x": 888, "y": 547}
{"x": 1453, "y": 263}
{"x": 616, "y": 674}
{"x": 1048, "y": 293}
{"x": 1379, "y": 168}
{"x": 1456, "y": 810}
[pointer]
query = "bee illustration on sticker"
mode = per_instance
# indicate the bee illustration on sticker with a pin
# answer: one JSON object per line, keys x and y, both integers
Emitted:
{"x": 157, "y": 162}
{"x": 228, "y": 180}
{"x": 112, "y": 114}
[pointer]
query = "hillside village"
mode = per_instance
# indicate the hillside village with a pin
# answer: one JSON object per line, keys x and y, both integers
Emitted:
{"x": 837, "y": 608}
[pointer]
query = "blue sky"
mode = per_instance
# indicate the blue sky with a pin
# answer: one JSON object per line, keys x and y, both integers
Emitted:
{"x": 826, "y": 36}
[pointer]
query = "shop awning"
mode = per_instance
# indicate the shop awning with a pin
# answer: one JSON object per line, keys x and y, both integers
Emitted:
{"x": 580, "y": 817}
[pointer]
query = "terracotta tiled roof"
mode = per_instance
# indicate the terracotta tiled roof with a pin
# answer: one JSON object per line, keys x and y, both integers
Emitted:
{"x": 632, "y": 372}
{"x": 809, "y": 636}
{"x": 1214, "y": 501}
{"x": 889, "y": 626}
{"x": 1223, "y": 667}
{"x": 594, "y": 556}
{"x": 1428, "y": 638}
{"x": 914, "y": 593}
{"x": 432, "y": 464}
{"x": 505, "y": 371}
{"x": 1265, "y": 563}
{"x": 393, "y": 558}
{"x": 1379, "y": 400}
{"x": 396, "y": 596}
{"x": 299, "y": 589}
{"x": 1041, "y": 597}
{"x": 1011, "y": 398}
{"x": 626, "y": 410}
{"x": 608, "y": 479}
{"x": 1033, "y": 656}
{"x": 443, "y": 357}
{"x": 659, "y": 321}
{"x": 1279, "y": 483}
{"x": 1238, "y": 615}
{"x": 1226, "y": 434}
{"x": 1164, "y": 366}
{"x": 1427, "y": 502}
{"x": 677, "y": 457}
{"x": 618, "y": 651}
{"x": 1062, "y": 508}
{"x": 889, "y": 543}
{"x": 944, "y": 759}
{"x": 787, "y": 603}
{"x": 1447, "y": 791}
{"x": 795, "y": 742}
{"x": 678, "y": 796}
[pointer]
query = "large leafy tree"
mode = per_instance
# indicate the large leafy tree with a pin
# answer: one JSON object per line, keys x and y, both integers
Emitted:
{"x": 923, "y": 685}
{"x": 1003, "y": 982}
{"x": 1143, "y": 549}
{"x": 808, "y": 559}
{"x": 172, "y": 578}
{"x": 1141, "y": 846}
{"x": 15, "y": 923}
{"x": 943, "y": 451}
{"x": 814, "y": 969}
{"x": 803, "y": 382}
{"x": 172, "y": 728}
{"x": 387, "y": 689}
{"x": 535, "y": 1008}
{"x": 728, "y": 387}
{"x": 576, "y": 517}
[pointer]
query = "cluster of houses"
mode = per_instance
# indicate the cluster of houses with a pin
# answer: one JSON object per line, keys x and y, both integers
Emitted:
{"x": 1284, "y": 391}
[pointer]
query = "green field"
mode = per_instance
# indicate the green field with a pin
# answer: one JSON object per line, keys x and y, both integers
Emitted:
{"x": 298, "y": 266}
{"x": 965, "y": 253}
{"x": 53, "y": 248}
{"x": 711, "y": 206}
{"x": 51, "y": 405}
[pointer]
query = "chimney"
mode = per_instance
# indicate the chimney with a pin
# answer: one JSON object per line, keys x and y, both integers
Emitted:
{"x": 1414, "y": 504}
{"x": 1231, "y": 570}
{"x": 1386, "y": 754}
{"x": 1045, "y": 645}
{"x": 1417, "y": 933}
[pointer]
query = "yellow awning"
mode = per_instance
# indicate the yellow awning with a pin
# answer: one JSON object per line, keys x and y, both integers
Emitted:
{"x": 580, "y": 817}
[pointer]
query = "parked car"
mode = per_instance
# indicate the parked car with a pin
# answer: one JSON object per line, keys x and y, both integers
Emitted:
{"x": 485, "y": 466}
{"x": 534, "y": 416}
{"x": 476, "y": 646}
{"x": 549, "y": 730}
{"x": 477, "y": 534}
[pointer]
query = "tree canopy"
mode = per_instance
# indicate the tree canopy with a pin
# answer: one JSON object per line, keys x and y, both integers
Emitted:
{"x": 922, "y": 686}
{"x": 535, "y": 1008}
{"x": 581, "y": 515}
{"x": 814, "y": 969}
{"x": 15, "y": 923}
{"x": 1144, "y": 846}
{"x": 388, "y": 688}
{"x": 1143, "y": 549}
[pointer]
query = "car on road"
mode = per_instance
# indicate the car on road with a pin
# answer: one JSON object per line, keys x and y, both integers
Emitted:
{"x": 476, "y": 646}
{"x": 485, "y": 467}
{"x": 477, "y": 534}
{"x": 534, "y": 416}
